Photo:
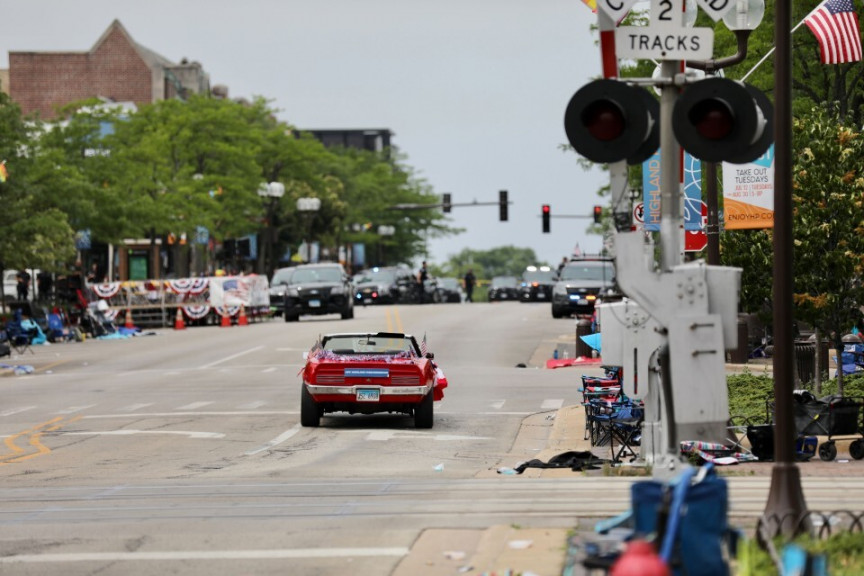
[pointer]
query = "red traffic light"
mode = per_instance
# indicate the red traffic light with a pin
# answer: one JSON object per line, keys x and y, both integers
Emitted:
{"x": 545, "y": 209}
{"x": 545, "y": 212}
{"x": 598, "y": 214}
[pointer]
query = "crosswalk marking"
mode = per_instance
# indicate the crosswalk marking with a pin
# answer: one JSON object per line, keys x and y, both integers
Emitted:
{"x": 552, "y": 404}
{"x": 73, "y": 409}
{"x": 134, "y": 407}
{"x": 12, "y": 411}
{"x": 194, "y": 406}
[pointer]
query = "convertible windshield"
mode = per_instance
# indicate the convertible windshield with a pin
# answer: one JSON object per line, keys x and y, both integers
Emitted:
{"x": 588, "y": 271}
{"x": 324, "y": 274}
{"x": 369, "y": 344}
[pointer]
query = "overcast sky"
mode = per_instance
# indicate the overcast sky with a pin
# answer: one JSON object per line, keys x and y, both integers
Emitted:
{"x": 474, "y": 90}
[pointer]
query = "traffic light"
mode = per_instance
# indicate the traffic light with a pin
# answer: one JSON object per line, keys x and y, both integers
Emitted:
{"x": 445, "y": 202}
{"x": 502, "y": 205}
{"x": 608, "y": 121}
{"x": 544, "y": 212}
{"x": 598, "y": 214}
{"x": 721, "y": 120}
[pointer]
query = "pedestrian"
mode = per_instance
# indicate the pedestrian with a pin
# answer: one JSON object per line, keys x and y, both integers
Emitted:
{"x": 422, "y": 277}
{"x": 470, "y": 282}
{"x": 23, "y": 284}
{"x": 562, "y": 265}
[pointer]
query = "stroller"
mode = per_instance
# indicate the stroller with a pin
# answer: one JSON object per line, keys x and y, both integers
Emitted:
{"x": 95, "y": 322}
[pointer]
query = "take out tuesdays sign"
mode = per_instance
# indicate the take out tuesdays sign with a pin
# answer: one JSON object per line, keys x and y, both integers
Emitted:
{"x": 748, "y": 193}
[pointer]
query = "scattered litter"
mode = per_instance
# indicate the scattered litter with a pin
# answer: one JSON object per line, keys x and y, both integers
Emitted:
{"x": 550, "y": 416}
{"x": 507, "y": 471}
{"x": 520, "y": 544}
{"x": 842, "y": 461}
{"x": 454, "y": 555}
{"x": 49, "y": 372}
{"x": 439, "y": 467}
{"x": 466, "y": 568}
{"x": 18, "y": 369}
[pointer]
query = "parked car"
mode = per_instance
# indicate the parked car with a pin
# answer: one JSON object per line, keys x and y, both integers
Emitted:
{"x": 579, "y": 285}
{"x": 448, "y": 290}
{"x": 278, "y": 286}
{"x": 385, "y": 285}
{"x": 503, "y": 288}
{"x": 537, "y": 283}
{"x": 318, "y": 289}
{"x": 370, "y": 373}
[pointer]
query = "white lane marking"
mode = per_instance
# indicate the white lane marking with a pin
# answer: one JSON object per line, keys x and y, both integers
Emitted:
{"x": 194, "y": 405}
{"x": 134, "y": 407}
{"x": 383, "y": 435}
{"x": 204, "y": 555}
{"x": 498, "y": 404}
{"x": 229, "y": 413}
{"x": 276, "y": 441}
{"x": 12, "y": 411}
{"x": 251, "y": 405}
{"x": 227, "y": 358}
{"x": 72, "y": 409}
{"x": 268, "y": 370}
{"x": 552, "y": 404}
{"x": 190, "y": 434}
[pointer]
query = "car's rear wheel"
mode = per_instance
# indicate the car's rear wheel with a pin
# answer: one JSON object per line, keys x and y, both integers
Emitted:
{"x": 556, "y": 313}
{"x": 310, "y": 415}
{"x": 424, "y": 412}
{"x": 348, "y": 313}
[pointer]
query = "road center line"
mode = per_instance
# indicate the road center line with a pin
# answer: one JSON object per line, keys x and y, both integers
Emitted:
{"x": 227, "y": 358}
{"x": 204, "y": 555}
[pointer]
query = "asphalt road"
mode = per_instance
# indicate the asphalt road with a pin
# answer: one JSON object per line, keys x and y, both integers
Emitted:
{"x": 181, "y": 451}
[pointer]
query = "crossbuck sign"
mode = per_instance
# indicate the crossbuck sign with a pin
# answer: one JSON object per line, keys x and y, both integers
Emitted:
{"x": 666, "y": 38}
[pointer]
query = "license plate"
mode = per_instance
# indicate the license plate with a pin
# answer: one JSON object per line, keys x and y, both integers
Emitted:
{"x": 541, "y": 295}
{"x": 582, "y": 302}
{"x": 367, "y": 300}
{"x": 503, "y": 296}
{"x": 367, "y": 395}
{"x": 314, "y": 303}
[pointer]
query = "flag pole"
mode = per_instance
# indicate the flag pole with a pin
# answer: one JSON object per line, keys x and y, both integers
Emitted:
{"x": 770, "y": 52}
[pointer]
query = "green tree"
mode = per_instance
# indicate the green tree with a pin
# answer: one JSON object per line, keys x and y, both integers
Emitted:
{"x": 828, "y": 201}
{"x": 500, "y": 261}
{"x": 36, "y": 233}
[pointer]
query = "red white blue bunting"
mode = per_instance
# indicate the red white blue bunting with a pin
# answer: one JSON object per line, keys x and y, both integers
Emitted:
{"x": 106, "y": 289}
{"x": 196, "y": 312}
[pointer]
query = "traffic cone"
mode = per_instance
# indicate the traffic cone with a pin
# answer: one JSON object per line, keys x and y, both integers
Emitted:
{"x": 129, "y": 323}
{"x": 178, "y": 320}
{"x": 226, "y": 319}
{"x": 241, "y": 319}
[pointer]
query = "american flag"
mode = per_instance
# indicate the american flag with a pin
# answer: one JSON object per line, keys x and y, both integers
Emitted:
{"x": 423, "y": 348}
{"x": 835, "y": 25}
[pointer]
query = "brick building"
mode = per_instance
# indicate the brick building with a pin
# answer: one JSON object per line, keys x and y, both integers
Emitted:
{"x": 116, "y": 69}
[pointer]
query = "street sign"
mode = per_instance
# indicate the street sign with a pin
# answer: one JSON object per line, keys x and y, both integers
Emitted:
{"x": 697, "y": 240}
{"x": 666, "y": 37}
{"x": 644, "y": 42}
{"x": 617, "y": 9}
{"x": 716, "y": 9}
{"x": 639, "y": 212}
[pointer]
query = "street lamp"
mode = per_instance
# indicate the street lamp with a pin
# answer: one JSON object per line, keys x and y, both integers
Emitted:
{"x": 274, "y": 191}
{"x": 307, "y": 206}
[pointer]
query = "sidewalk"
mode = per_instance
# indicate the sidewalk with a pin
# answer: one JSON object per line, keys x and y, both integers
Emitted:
{"x": 507, "y": 550}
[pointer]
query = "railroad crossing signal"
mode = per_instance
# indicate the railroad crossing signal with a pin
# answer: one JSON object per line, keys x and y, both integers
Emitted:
{"x": 608, "y": 121}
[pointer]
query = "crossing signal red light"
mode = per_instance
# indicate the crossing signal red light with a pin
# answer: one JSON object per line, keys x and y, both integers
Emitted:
{"x": 598, "y": 214}
{"x": 545, "y": 214}
{"x": 721, "y": 120}
{"x": 608, "y": 120}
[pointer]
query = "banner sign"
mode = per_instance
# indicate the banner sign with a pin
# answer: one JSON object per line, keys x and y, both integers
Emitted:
{"x": 748, "y": 193}
{"x": 692, "y": 193}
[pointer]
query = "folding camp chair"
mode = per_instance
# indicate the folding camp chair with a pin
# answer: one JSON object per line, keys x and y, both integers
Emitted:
{"x": 19, "y": 338}
{"x": 620, "y": 422}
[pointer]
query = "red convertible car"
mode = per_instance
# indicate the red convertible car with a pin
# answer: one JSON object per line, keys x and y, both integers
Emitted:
{"x": 370, "y": 373}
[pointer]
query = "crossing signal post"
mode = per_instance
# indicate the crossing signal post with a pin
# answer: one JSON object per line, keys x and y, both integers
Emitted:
{"x": 502, "y": 205}
{"x": 609, "y": 121}
{"x": 446, "y": 202}
{"x": 545, "y": 214}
